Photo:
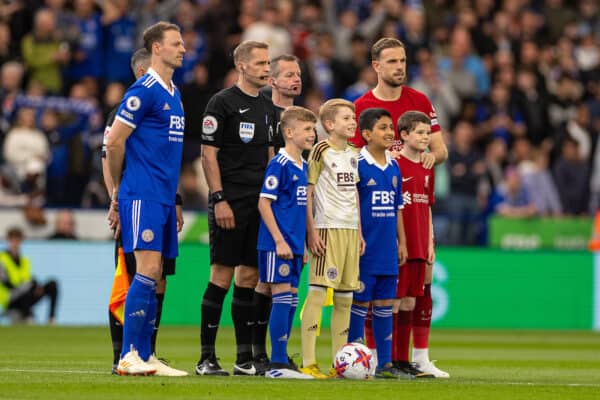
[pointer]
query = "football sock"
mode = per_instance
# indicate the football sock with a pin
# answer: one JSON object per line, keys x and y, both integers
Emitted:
{"x": 116, "y": 336}
{"x": 311, "y": 315}
{"x": 262, "y": 310}
{"x": 357, "y": 323}
{"x": 340, "y": 320}
{"x": 293, "y": 308}
{"x": 212, "y": 306}
{"x": 422, "y": 319}
{"x": 382, "y": 328}
{"x": 136, "y": 310}
{"x": 145, "y": 349}
{"x": 402, "y": 335}
{"x": 369, "y": 338}
{"x": 160, "y": 298}
{"x": 278, "y": 326}
{"x": 242, "y": 314}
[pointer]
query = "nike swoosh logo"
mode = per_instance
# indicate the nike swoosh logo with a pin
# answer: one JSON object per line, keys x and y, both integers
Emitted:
{"x": 243, "y": 110}
{"x": 407, "y": 179}
{"x": 213, "y": 326}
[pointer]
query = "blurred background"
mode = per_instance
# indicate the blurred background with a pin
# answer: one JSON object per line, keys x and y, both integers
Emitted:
{"x": 516, "y": 85}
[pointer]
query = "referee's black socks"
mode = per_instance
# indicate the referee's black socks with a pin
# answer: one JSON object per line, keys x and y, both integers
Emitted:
{"x": 242, "y": 313}
{"x": 262, "y": 312}
{"x": 212, "y": 306}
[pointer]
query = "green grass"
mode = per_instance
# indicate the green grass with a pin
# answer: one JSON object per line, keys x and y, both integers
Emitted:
{"x": 74, "y": 363}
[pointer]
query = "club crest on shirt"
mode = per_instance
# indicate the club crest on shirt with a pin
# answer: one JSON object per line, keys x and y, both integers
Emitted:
{"x": 361, "y": 287}
{"x": 395, "y": 182}
{"x": 133, "y": 103}
{"x": 147, "y": 235}
{"x": 284, "y": 270}
{"x": 332, "y": 273}
{"x": 353, "y": 162}
{"x": 246, "y": 131}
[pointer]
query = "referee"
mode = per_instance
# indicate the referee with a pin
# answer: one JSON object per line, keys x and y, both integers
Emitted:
{"x": 237, "y": 131}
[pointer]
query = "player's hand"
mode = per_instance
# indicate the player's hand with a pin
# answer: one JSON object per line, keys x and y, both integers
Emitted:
{"x": 113, "y": 218}
{"x": 316, "y": 244}
{"x": 179, "y": 216}
{"x": 305, "y": 255}
{"x": 283, "y": 250}
{"x": 362, "y": 246}
{"x": 428, "y": 160}
{"x": 402, "y": 254}
{"x": 431, "y": 253}
{"x": 224, "y": 215}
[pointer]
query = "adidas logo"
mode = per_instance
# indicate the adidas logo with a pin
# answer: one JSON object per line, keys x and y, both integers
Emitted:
{"x": 138, "y": 313}
{"x": 283, "y": 338}
{"x": 333, "y": 165}
{"x": 345, "y": 332}
{"x": 166, "y": 107}
{"x": 389, "y": 338}
{"x": 295, "y": 178}
{"x": 313, "y": 328}
{"x": 371, "y": 182}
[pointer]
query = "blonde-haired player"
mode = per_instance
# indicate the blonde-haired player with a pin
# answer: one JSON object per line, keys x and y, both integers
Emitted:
{"x": 333, "y": 232}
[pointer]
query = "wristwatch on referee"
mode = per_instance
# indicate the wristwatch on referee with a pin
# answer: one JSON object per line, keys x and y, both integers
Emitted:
{"x": 217, "y": 196}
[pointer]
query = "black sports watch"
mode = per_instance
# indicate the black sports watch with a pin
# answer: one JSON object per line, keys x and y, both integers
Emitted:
{"x": 217, "y": 196}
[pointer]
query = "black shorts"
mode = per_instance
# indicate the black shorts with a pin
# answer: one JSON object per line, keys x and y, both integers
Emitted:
{"x": 236, "y": 246}
{"x": 168, "y": 267}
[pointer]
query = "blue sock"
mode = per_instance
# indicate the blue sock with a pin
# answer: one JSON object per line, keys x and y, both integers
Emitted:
{"x": 145, "y": 342}
{"x": 278, "y": 326}
{"x": 293, "y": 308}
{"x": 356, "y": 332}
{"x": 382, "y": 330}
{"x": 136, "y": 310}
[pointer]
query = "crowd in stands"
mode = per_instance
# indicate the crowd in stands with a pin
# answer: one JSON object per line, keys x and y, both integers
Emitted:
{"x": 516, "y": 85}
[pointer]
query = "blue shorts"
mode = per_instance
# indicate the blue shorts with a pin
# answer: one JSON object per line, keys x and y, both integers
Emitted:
{"x": 273, "y": 269}
{"x": 376, "y": 287}
{"x": 148, "y": 225}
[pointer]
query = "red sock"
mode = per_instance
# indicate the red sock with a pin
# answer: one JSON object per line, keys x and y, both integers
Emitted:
{"x": 422, "y": 319}
{"x": 370, "y": 339}
{"x": 401, "y": 338}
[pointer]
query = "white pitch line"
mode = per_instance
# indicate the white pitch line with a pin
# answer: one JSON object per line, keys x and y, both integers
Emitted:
{"x": 53, "y": 371}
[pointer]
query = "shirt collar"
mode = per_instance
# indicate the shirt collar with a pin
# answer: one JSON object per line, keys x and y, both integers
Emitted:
{"x": 155, "y": 75}
{"x": 369, "y": 158}
{"x": 286, "y": 155}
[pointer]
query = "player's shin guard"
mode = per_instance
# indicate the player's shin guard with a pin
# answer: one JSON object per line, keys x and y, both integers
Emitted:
{"x": 136, "y": 309}
{"x": 292, "y": 313}
{"x": 357, "y": 323}
{"x": 422, "y": 320}
{"x": 382, "y": 328}
{"x": 160, "y": 298}
{"x": 278, "y": 326}
{"x": 145, "y": 349}
{"x": 340, "y": 321}
{"x": 402, "y": 335}
{"x": 311, "y": 315}
{"x": 212, "y": 306}
{"x": 262, "y": 311}
{"x": 242, "y": 313}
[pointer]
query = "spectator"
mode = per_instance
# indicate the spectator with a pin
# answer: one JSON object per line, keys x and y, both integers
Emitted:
{"x": 466, "y": 168}
{"x": 87, "y": 58}
{"x": 120, "y": 35}
{"x": 8, "y": 50}
{"x": 578, "y": 129}
{"x": 500, "y": 118}
{"x": 19, "y": 292}
{"x": 347, "y": 72}
{"x": 512, "y": 198}
{"x": 11, "y": 79}
{"x": 367, "y": 80}
{"x": 540, "y": 184}
{"x": 320, "y": 64}
{"x": 64, "y": 226}
{"x": 44, "y": 54}
{"x": 267, "y": 30}
{"x": 533, "y": 104}
{"x": 571, "y": 174}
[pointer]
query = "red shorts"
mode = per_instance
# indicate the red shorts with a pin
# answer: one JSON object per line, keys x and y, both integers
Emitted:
{"x": 411, "y": 279}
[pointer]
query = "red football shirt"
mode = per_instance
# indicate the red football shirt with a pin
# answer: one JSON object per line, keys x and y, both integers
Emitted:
{"x": 417, "y": 192}
{"x": 410, "y": 100}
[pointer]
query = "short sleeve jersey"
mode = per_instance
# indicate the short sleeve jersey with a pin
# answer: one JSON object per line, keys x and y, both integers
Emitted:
{"x": 417, "y": 192}
{"x": 154, "y": 148}
{"x": 410, "y": 100}
{"x": 241, "y": 127}
{"x": 334, "y": 174}
{"x": 380, "y": 193}
{"x": 285, "y": 183}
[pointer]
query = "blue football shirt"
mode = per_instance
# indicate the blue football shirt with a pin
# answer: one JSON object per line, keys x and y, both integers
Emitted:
{"x": 380, "y": 191}
{"x": 286, "y": 184}
{"x": 153, "y": 150}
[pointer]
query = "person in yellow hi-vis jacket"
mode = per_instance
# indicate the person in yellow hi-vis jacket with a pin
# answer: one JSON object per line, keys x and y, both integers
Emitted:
{"x": 19, "y": 292}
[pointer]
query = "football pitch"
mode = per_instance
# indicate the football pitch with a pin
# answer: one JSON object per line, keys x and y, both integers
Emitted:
{"x": 74, "y": 363}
